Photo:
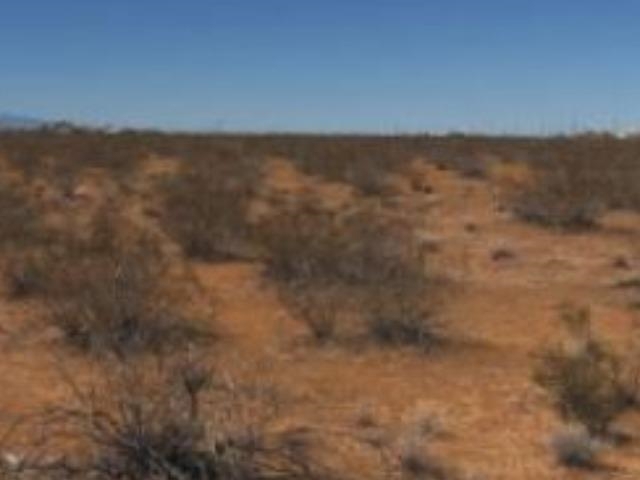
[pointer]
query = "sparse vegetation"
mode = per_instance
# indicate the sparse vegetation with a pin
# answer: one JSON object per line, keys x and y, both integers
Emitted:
{"x": 400, "y": 314}
{"x": 577, "y": 179}
{"x": 106, "y": 292}
{"x": 584, "y": 380}
{"x": 416, "y": 460}
{"x": 105, "y": 275}
{"x": 360, "y": 264}
{"x": 116, "y": 304}
{"x": 206, "y": 205}
{"x": 135, "y": 428}
{"x": 26, "y": 274}
{"x": 558, "y": 199}
{"x": 19, "y": 220}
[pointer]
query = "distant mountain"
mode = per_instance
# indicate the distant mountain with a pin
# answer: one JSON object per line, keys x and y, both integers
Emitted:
{"x": 10, "y": 121}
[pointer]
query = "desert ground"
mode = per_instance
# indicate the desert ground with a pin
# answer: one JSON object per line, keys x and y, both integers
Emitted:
{"x": 290, "y": 349}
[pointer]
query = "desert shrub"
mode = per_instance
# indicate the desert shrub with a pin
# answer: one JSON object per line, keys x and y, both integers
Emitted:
{"x": 399, "y": 315}
{"x": 60, "y": 154}
{"x": 19, "y": 219}
{"x": 558, "y": 198}
{"x": 205, "y": 206}
{"x": 416, "y": 459}
{"x": 415, "y": 463}
{"x": 27, "y": 160}
{"x": 364, "y": 162}
{"x": 469, "y": 166}
{"x": 138, "y": 427}
{"x": 39, "y": 268}
{"x": 370, "y": 172}
{"x": 320, "y": 308}
{"x": 26, "y": 273}
{"x": 22, "y": 234}
{"x": 359, "y": 263}
{"x": 117, "y": 303}
{"x": 585, "y": 381}
{"x": 574, "y": 447}
{"x": 578, "y": 178}
{"x": 354, "y": 248}
{"x": 109, "y": 288}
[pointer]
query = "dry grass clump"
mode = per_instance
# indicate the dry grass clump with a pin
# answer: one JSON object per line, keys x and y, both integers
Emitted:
{"x": 332, "y": 268}
{"x": 158, "y": 426}
{"x": 205, "y": 205}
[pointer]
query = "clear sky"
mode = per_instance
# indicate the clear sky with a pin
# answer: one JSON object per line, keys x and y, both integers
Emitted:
{"x": 325, "y": 65}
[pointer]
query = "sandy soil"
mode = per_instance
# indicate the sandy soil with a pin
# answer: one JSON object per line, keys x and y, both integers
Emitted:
{"x": 508, "y": 282}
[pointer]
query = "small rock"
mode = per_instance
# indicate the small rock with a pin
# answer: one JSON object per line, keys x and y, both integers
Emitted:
{"x": 11, "y": 460}
{"x": 428, "y": 242}
{"x": 621, "y": 262}
{"x": 502, "y": 253}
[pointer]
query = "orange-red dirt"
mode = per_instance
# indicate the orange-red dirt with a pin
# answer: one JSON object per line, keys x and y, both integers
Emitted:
{"x": 502, "y": 308}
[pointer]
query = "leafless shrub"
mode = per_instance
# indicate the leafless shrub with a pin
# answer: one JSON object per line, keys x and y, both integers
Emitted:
{"x": 399, "y": 315}
{"x": 109, "y": 293}
{"x": 361, "y": 264}
{"x": 205, "y": 206}
{"x": 117, "y": 303}
{"x": 363, "y": 162}
{"x": 19, "y": 220}
{"x": 578, "y": 178}
{"x": 22, "y": 235}
{"x": 39, "y": 268}
{"x": 558, "y": 199}
{"x": 136, "y": 428}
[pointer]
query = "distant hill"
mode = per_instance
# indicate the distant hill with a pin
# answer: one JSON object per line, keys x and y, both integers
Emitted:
{"x": 10, "y": 121}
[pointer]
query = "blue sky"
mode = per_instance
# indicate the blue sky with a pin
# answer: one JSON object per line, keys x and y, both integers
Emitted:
{"x": 324, "y": 65}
